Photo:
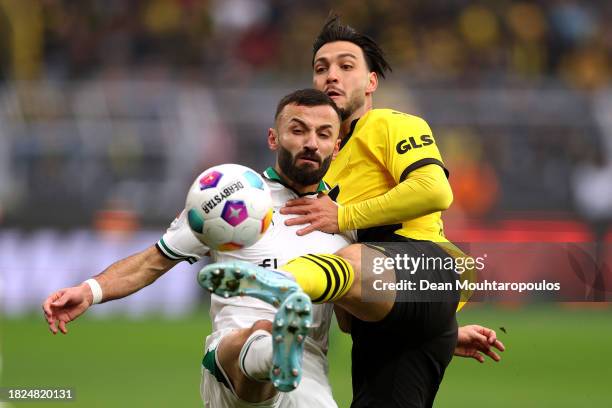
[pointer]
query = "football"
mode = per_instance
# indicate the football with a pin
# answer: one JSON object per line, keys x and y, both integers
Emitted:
{"x": 229, "y": 207}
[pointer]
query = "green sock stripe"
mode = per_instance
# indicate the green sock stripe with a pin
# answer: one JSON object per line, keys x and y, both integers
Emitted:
{"x": 327, "y": 275}
{"x": 334, "y": 270}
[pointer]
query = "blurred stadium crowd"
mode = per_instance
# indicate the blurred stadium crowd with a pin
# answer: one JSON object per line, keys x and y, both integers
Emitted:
{"x": 109, "y": 109}
{"x": 477, "y": 43}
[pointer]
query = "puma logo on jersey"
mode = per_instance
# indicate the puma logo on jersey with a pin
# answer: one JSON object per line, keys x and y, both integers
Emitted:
{"x": 269, "y": 263}
{"x": 407, "y": 144}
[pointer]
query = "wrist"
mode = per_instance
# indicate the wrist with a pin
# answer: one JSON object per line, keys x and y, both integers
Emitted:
{"x": 93, "y": 291}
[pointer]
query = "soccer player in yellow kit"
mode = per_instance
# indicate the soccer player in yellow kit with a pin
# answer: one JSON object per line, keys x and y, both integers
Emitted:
{"x": 391, "y": 186}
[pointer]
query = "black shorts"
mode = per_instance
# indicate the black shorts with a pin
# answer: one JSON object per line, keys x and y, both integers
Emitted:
{"x": 400, "y": 360}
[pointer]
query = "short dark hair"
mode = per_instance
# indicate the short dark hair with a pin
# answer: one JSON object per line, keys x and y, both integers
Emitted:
{"x": 307, "y": 97}
{"x": 333, "y": 31}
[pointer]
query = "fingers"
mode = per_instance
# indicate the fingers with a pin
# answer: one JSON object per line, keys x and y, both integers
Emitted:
{"x": 297, "y": 209}
{"x": 298, "y": 220}
{"x": 61, "y": 301}
{"x": 485, "y": 331}
{"x": 492, "y": 338}
{"x": 477, "y": 356}
{"x": 470, "y": 353}
{"x": 62, "y": 327}
{"x": 499, "y": 345}
{"x": 481, "y": 339}
{"x": 47, "y": 304}
{"x": 493, "y": 355}
{"x": 297, "y": 202}
{"x": 48, "y": 312}
{"x": 307, "y": 230}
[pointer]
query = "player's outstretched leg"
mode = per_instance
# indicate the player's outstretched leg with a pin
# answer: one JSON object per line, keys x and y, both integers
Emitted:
{"x": 289, "y": 331}
{"x": 238, "y": 278}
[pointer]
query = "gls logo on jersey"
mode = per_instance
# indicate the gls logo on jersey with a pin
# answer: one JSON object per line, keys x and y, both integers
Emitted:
{"x": 407, "y": 144}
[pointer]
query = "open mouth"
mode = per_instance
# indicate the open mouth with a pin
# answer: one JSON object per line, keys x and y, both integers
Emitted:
{"x": 333, "y": 93}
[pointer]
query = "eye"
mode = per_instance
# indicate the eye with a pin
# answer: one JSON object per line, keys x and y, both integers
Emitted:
{"x": 320, "y": 69}
{"x": 297, "y": 131}
{"x": 346, "y": 67}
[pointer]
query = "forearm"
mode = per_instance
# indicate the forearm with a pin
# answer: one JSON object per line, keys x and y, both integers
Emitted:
{"x": 133, "y": 273}
{"x": 425, "y": 191}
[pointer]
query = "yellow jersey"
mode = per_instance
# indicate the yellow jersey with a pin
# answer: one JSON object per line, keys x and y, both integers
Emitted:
{"x": 382, "y": 149}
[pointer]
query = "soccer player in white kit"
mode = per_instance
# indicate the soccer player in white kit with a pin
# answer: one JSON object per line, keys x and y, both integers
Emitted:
{"x": 305, "y": 137}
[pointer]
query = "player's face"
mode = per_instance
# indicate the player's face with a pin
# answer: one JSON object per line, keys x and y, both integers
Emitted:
{"x": 340, "y": 70}
{"x": 306, "y": 139}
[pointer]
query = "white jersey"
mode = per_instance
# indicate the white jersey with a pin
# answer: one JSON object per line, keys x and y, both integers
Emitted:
{"x": 279, "y": 245}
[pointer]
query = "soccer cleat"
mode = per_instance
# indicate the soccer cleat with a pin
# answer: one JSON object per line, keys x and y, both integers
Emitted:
{"x": 239, "y": 278}
{"x": 289, "y": 330}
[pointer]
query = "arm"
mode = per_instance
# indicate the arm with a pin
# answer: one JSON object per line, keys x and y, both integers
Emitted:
{"x": 426, "y": 190}
{"x": 121, "y": 279}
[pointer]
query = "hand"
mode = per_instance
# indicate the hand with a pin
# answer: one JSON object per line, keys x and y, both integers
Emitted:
{"x": 320, "y": 213}
{"x": 473, "y": 340}
{"x": 65, "y": 305}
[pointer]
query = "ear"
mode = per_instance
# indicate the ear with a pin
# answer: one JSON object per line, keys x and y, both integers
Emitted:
{"x": 372, "y": 83}
{"x": 336, "y": 148}
{"x": 272, "y": 139}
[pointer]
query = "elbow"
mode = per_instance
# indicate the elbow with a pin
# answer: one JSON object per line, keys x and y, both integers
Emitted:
{"x": 442, "y": 198}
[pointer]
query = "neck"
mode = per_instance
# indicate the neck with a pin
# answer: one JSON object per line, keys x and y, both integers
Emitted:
{"x": 312, "y": 188}
{"x": 345, "y": 127}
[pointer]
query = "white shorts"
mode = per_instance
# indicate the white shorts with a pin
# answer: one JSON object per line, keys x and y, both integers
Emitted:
{"x": 314, "y": 390}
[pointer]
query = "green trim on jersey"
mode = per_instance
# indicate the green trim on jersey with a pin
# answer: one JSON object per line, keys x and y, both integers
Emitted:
{"x": 209, "y": 362}
{"x": 163, "y": 247}
{"x": 271, "y": 174}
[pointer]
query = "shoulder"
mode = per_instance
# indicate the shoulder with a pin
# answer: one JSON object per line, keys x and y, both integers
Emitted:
{"x": 393, "y": 118}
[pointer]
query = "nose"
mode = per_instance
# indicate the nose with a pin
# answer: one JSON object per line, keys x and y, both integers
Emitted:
{"x": 332, "y": 74}
{"x": 311, "y": 141}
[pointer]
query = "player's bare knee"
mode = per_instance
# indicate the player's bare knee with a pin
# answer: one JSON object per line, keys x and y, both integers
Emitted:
{"x": 352, "y": 254}
{"x": 261, "y": 325}
{"x": 229, "y": 348}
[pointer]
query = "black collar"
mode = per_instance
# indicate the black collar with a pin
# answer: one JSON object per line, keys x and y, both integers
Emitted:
{"x": 346, "y": 138}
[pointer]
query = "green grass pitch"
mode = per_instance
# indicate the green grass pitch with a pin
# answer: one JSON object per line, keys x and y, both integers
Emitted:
{"x": 556, "y": 357}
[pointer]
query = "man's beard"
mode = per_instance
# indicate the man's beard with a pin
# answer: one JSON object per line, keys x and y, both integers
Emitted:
{"x": 352, "y": 105}
{"x": 304, "y": 175}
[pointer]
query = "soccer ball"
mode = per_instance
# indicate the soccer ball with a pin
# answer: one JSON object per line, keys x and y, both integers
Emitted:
{"x": 229, "y": 207}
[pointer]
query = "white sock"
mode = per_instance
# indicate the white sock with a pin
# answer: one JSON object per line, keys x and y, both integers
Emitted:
{"x": 285, "y": 274}
{"x": 255, "y": 358}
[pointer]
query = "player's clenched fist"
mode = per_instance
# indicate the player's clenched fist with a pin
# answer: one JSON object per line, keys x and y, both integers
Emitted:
{"x": 66, "y": 305}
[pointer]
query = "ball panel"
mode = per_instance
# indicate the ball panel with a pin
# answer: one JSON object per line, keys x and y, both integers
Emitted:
{"x": 234, "y": 212}
{"x": 210, "y": 179}
{"x": 229, "y": 246}
{"x": 265, "y": 223}
{"x": 196, "y": 222}
{"x": 247, "y": 232}
{"x": 217, "y": 232}
{"x": 254, "y": 179}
